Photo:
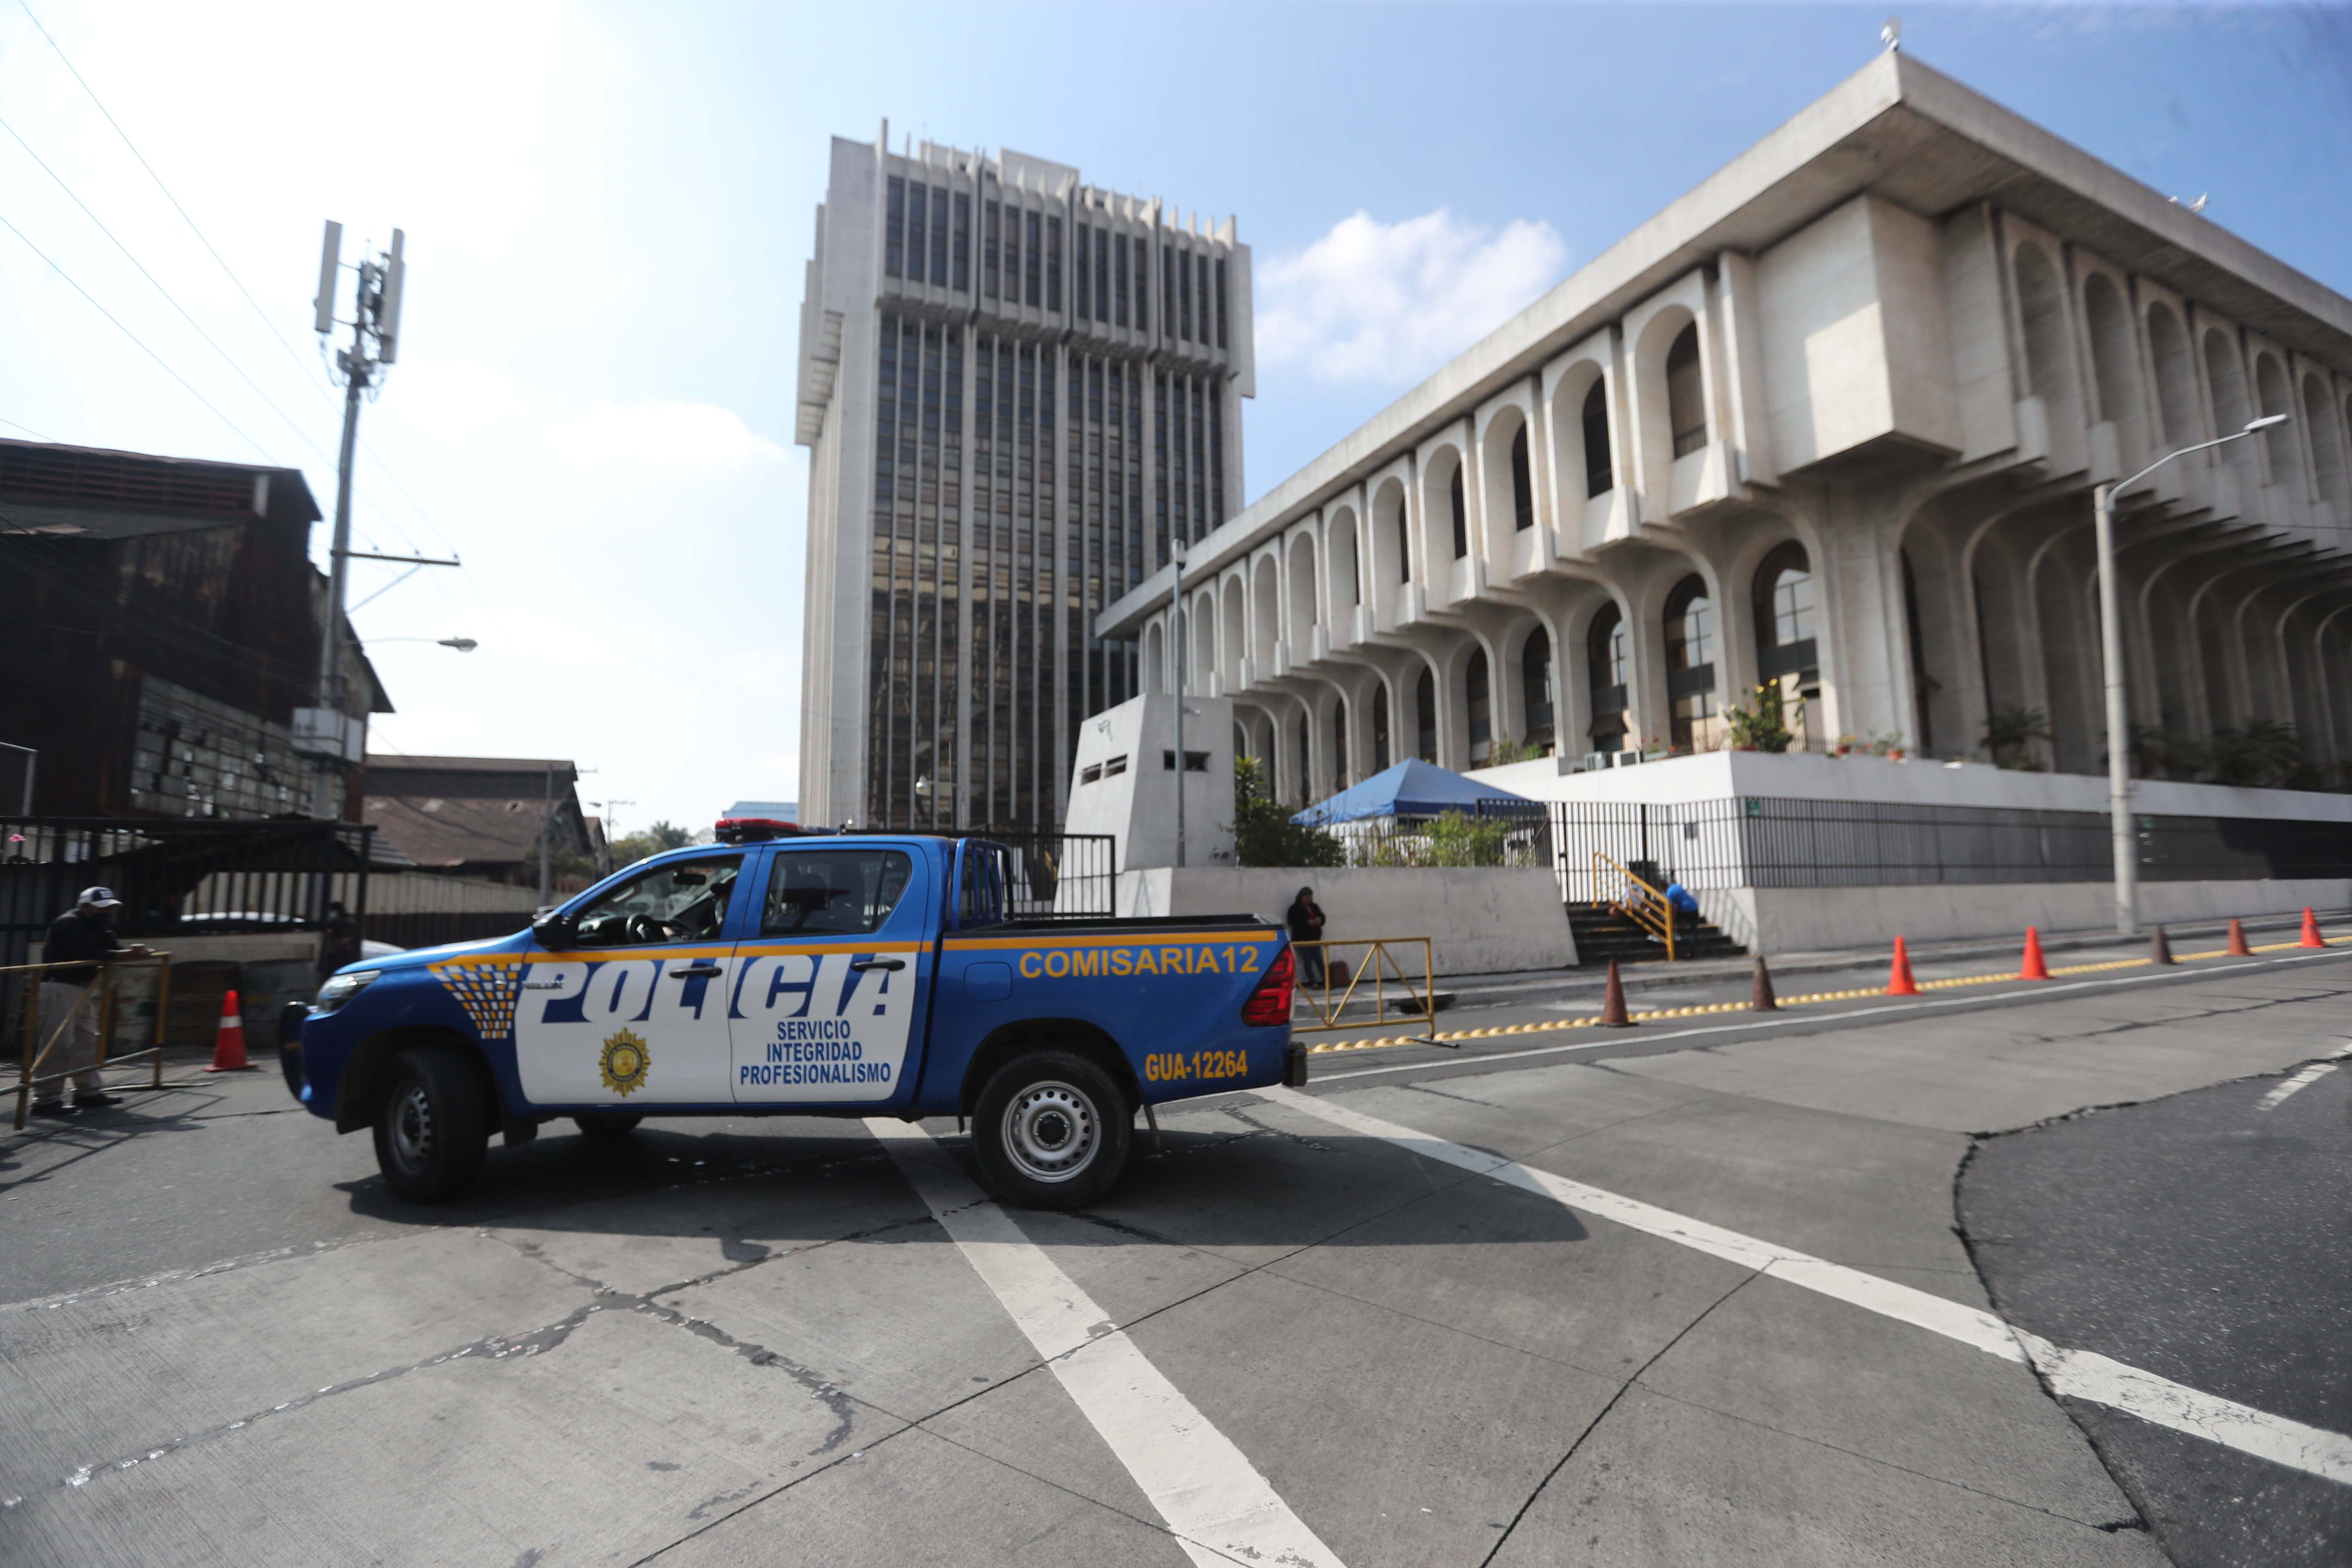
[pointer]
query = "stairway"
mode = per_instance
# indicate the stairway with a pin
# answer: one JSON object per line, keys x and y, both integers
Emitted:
{"x": 1602, "y": 935}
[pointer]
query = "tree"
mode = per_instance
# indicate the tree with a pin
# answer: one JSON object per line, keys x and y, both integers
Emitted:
{"x": 1263, "y": 833}
{"x": 2266, "y": 753}
{"x": 653, "y": 840}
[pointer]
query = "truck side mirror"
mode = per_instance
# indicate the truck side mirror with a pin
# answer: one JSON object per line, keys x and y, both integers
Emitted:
{"x": 555, "y": 930}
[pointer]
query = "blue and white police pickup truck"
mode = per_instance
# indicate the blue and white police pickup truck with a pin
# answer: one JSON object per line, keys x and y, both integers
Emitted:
{"x": 793, "y": 973}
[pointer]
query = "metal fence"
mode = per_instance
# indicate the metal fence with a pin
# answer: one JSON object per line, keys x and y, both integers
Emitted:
{"x": 176, "y": 875}
{"x": 1768, "y": 841}
{"x": 1061, "y": 876}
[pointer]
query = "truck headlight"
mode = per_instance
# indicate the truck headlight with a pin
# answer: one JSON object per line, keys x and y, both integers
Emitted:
{"x": 341, "y": 988}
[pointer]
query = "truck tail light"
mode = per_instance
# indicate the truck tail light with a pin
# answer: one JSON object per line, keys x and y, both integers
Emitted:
{"x": 1269, "y": 1004}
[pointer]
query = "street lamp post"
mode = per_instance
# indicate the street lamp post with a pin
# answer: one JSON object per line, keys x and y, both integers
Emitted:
{"x": 1176, "y": 620}
{"x": 2111, "y": 650}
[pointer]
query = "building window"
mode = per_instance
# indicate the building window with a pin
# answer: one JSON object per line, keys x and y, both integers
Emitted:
{"x": 1685, "y": 395}
{"x": 1404, "y": 542}
{"x": 1598, "y": 478}
{"x": 1523, "y": 485}
{"x": 1168, "y": 290}
{"x": 1102, "y": 274}
{"x": 1425, "y": 705}
{"x": 1216, "y": 453}
{"x": 1339, "y": 744}
{"x": 1381, "y": 728}
{"x": 1461, "y": 514}
{"x": 1119, "y": 265}
{"x": 1201, "y": 278}
{"x": 1184, "y": 295}
{"x": 1221, "y": 301}
{"x": 1053, "y": 264}
{"x": 1609, "y": 675}
{"x": 1690, "y": 665}
{"x": 894, "y": 230}
{"x": 963, "y": 243}
{"x": 918, "y": 203}
{"x": 1535, "y": 690}
{"x": 1085, "y": 295}
{"x": 988, "y": 218}
{"x": 1142, "y": 284}
{"x": 1479, "y": 692}
{"x": 938, "y": 237}
{"x": 1033, "y": 270}
{"x": 1306, "y": 765}
{"x": 1785, "y": 613}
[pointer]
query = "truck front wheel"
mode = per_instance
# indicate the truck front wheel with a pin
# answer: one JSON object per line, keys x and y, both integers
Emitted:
{"x": 432, "y": 1124}
{"x": 1050, "y": 1130}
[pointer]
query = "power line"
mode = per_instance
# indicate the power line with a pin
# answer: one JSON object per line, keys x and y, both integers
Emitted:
{"x": 176, "y": 304}
{"x": 27, "y": 430}
{"x": 168, "y": 196}
{"x": 134, "y": 337}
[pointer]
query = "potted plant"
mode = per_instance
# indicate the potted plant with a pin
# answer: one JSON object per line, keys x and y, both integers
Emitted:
{"x": 1763, "y": 725}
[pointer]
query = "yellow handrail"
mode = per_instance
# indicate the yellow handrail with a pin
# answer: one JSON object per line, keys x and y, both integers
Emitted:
{"x": 1380, "y": 966}
{"x": 1651, "y": 911}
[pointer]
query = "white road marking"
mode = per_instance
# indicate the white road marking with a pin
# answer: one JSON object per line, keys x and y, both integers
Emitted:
{"x": 2078, "y": 1374}
{"x": 1219, "y": 1508}
{"x": 2302, "y": 1080}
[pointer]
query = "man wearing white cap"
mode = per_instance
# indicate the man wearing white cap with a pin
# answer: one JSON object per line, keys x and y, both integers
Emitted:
{"x": 82, "y": 939}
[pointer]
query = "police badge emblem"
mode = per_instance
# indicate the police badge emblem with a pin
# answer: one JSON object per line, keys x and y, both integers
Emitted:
{"x": 624, "y": 1063}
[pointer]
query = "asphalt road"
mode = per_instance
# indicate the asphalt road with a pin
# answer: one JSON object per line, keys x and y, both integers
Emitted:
{"x": 1426, "y": 1312}
{"x": 2205, "y": 1236}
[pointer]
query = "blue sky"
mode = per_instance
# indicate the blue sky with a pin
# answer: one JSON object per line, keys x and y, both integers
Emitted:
{"x": 608, "y": 208}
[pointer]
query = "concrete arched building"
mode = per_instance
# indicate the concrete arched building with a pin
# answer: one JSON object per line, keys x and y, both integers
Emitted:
{"x": 1834, "y": 418}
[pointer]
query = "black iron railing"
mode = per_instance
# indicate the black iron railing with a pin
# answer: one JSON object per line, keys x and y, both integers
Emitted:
{"x": 1768, "y": 841}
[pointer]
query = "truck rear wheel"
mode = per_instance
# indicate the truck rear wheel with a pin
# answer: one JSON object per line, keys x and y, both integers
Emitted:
{"x": 1051, "y": 1130}
{"x": 432, "y": 1125}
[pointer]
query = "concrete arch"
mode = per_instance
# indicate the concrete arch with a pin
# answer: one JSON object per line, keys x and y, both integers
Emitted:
{"x": 2327, "y": 459}
{"x": 2114, "y": 365}
{"x": 1582, "y": 447}
{"x": 1389, "y": 533}
{"x": 1345, "y": 584}
{"x": 1653, "y": 410}
{"x": 1304, "y": 594}
{"x": 1507, "y": 507}
{"x": 2041, "y": 313}
{"x": 2062, "y": 594}
{"x": 1445, "y": 513}
{"x": 2272, "y": 396}
{"x": 2175, "y": 379}
{"x": 1155, "y": 655}
{"x": 2225, "y": 382}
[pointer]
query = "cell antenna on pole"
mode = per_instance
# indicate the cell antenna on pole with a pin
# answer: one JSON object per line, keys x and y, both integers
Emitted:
{"x": 387, "y": 313}
{"x": 331, "y": 258}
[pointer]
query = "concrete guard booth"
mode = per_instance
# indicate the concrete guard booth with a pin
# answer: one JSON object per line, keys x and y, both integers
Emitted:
{"x": 1481, "y": 919}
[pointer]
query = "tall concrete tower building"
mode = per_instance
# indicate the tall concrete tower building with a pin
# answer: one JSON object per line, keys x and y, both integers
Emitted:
{"x": 1019, "y": 391}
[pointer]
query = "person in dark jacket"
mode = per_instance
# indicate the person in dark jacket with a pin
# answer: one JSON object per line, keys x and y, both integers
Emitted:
{"x": 1306, "y": 917}
{"x": 82, "y": 940}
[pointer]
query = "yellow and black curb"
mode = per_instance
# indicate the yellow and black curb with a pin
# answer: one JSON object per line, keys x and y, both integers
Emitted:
{"x": 1550, "y": 1025}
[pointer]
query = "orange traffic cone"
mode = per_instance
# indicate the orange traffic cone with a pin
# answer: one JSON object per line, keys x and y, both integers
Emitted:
{"x": 2033, "y": 968}
{"x": 2310, "y": 930}
{"x": 2159, "y": 950}
{"x": 228, "y": 1044}
{"x": 1900, "y": 983}
{"x": 1612, "y": 1005}
{"x": 2238, "y": 948}
{"x": 1762, "y": 1000}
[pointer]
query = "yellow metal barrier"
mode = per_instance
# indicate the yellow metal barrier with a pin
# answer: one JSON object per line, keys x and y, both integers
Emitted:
{"x": 37, "y": 1050}
{"x": 1644, "y": 905}
{"x": 1382, "y": 966}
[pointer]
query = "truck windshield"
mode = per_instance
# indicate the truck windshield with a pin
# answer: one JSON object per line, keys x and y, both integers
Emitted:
{"x": 682, "y": 902}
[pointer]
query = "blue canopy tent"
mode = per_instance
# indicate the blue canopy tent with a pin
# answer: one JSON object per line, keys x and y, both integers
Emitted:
{"x": 1414, "y": 789}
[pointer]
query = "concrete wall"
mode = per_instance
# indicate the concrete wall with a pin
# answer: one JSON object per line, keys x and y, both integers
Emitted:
{"x": 1481, "y": 921}
{"x": 1804, "y": 920}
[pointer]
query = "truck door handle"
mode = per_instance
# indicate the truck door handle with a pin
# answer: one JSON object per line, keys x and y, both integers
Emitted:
{"x": 879, "y": 963}
{"x": 696, "y": 972}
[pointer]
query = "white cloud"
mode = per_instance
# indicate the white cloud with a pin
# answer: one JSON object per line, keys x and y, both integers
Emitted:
{"x": 669, "y": 436}
{"x": 1390, "y": 302}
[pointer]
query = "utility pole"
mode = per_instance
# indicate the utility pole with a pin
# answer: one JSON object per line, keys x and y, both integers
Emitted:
{"x": 326, "y": 732}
